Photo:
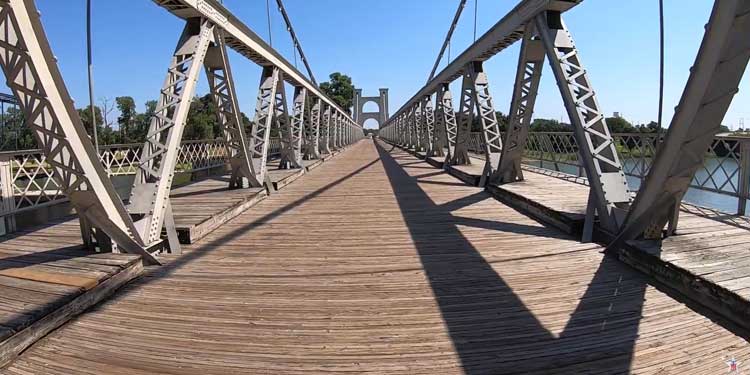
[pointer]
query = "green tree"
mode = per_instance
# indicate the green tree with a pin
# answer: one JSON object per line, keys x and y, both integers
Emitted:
{"x": 126, "y": 120}
{"x": 549, "y": 125}
{"x": 14, "y": 133}
{"x": 85, "y": 115}
{"x": 502, "y": 121}
{"x": 620, "y": 125}
{"x": 340, "y": 89}
{"x": 141, "y": 122}
{"x": 201, "y": 122}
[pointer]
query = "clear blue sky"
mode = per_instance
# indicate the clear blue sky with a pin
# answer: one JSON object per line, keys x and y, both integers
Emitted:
{"x": 392, "y": 43}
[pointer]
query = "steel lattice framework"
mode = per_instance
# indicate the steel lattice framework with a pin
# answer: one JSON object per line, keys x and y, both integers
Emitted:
{"x": 223, "y": 92}
{"x": 32, "y": 74}
{"x": 714, "y": 80}
{"x": 317, "y": 125}
{"x": 528, "y": 76}
{"x": 106, "y": 222}
{"x": 721, "y": 61}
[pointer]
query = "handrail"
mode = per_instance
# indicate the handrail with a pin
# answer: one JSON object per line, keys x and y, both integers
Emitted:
{"x": 725, "y": 170}
{"x": 26, "y": 181}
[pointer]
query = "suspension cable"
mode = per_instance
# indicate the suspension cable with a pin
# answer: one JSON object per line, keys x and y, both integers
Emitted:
{"x": 91, "y": 75}
{"x": 476, "y": 6}
{"x": 447, "y": 41}
{"x": 268, "y": 19}
{"x": 661, "y": 70}
{"x": 297, "y": 45}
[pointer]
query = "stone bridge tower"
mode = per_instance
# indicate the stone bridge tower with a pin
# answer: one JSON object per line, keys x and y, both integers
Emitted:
{"x": 381, "y": 116}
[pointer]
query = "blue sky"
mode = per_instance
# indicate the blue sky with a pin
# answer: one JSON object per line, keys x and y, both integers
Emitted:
{"x": 392, "y": 43}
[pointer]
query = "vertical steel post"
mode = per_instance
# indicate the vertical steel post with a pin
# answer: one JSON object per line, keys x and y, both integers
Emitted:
{"x": 312, "y": 131}
{"x": 270, "y": 83}
{"x": 490, "y": 129}
{"x": 33, "y": 76}
{"x": 744, "y": 176}
{"x": 528, "y": 75}
{"x": 291, "y": 135}
{"x": 221, "y": 85}
{"x": 428, "y": 126}
{"x": 149, "y": 197}
{"x": 714, "y": 80}
{"x": 465, "y": 120}
{"x": 596, "y": 146}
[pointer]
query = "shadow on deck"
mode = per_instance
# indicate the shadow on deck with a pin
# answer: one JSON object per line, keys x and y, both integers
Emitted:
{"x": 492, "y": 329}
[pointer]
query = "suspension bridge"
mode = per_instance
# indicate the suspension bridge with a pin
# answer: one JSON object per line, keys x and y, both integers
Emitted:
{"x": 429, "y": 248}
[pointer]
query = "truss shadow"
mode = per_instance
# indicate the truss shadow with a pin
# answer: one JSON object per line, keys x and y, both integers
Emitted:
{"x": 492, "y": 330}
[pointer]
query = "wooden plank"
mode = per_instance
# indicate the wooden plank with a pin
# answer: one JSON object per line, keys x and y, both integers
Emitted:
{"x": 703, "y": 236}
{"x": 13, "y": 346}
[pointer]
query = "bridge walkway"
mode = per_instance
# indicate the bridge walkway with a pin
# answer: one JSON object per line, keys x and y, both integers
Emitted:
{"x": 380, "y": 263}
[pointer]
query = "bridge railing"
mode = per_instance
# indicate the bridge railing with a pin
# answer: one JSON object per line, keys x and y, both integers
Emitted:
{"x": 726, "y": 170}
{"x": 26, "y": 181}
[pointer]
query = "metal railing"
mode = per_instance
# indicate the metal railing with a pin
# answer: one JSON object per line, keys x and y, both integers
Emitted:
{"x": 26, "y": 181}
{"x": 726, "y": 170}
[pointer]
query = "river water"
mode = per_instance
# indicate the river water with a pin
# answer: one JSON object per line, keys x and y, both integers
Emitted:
{"x": 718, "y": 174}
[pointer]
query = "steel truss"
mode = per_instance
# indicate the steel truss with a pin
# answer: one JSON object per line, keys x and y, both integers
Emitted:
{"x": 291, "y": 136}
{"x": 405, "y": 130}
{"x": 419, "y": 131}
{"x": 491, "y": 135}
{"x": 609, "y": 188}
{"x": 465, "y": 119}
{"x": 32, "y": 74}
{"x": 337, "y": 135}
{"x": 312, "y": 132}
{"x": 325, "y": 130}
{"x": 223, "y": 92}
{"x": 270, "y": 92}
{"x": 428, "y": 126}
{"x": 528, "y": 75}
{"x": 714, "y": 80}
{"x": 447, "y": 122}
{"x": 149, "y": 197}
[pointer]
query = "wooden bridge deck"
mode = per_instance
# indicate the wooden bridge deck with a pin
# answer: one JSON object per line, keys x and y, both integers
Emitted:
{"x": 218, "y": 204}
{"x": 46, "y": 278}
{"x": 707, "y": 260}
{"x": 378, "y": 262}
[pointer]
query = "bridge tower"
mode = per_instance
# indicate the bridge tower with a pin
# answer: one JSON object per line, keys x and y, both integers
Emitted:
{"x": 359, "y": 103}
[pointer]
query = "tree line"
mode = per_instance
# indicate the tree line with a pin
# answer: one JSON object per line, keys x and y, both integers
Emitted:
{"x": 118, "y": 121}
